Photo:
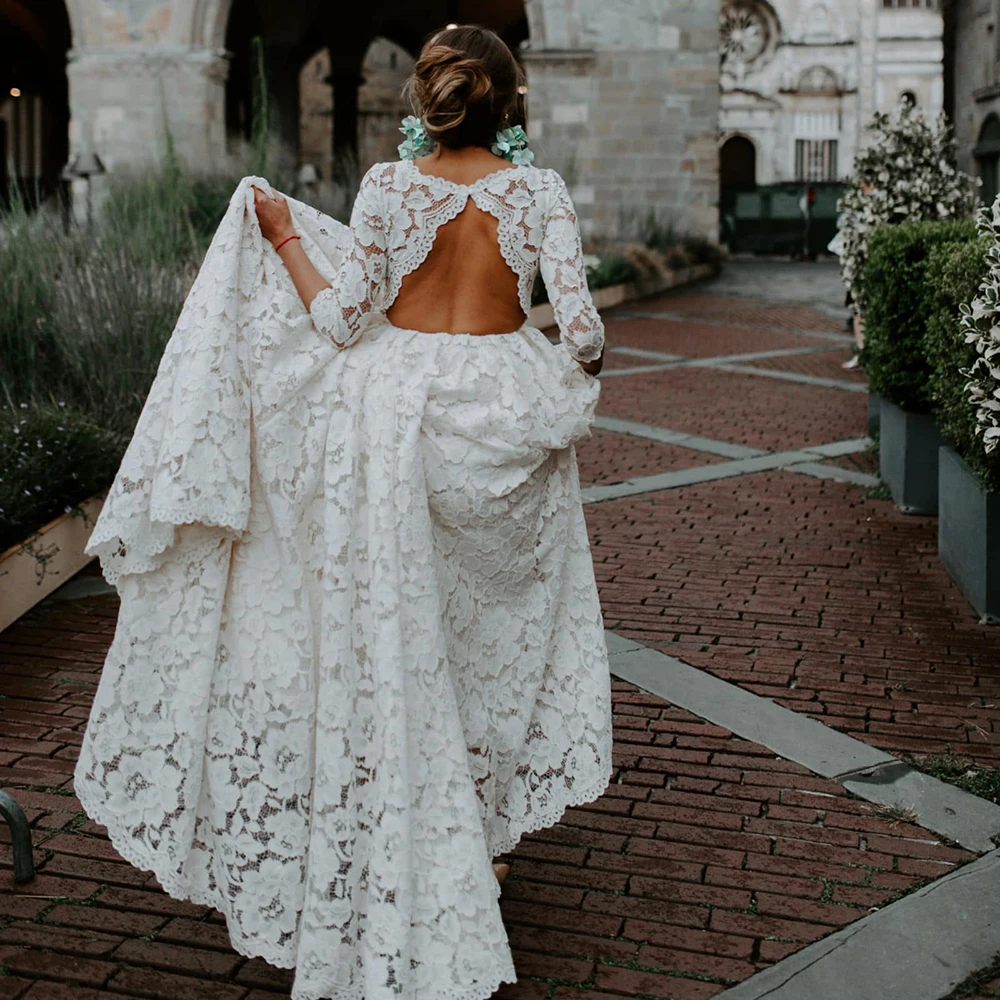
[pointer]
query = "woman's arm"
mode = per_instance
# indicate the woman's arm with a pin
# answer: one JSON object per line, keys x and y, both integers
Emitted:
{"x": 565, "y": 277}
{"x": 338, "y": 309}
{"x": 276, "y": 226}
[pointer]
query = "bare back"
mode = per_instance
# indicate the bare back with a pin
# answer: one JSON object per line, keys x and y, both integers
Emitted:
{"x": 464, "y": 285}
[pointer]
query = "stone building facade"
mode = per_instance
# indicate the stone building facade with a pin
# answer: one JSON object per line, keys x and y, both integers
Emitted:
{"x": 800, "y": 80}
{"x": 623, "y": 94}
{"x": 976, "y": 86}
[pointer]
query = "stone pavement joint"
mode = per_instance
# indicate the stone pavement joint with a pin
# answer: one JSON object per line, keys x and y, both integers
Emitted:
{"x": 918, "y": 948}
{"x": 799, "y": 460}
{"x": 825, "y": 383}
{"x": 836, "y": 473}
{"x": 666, "y": 436}
{"x": 869, "y": 773}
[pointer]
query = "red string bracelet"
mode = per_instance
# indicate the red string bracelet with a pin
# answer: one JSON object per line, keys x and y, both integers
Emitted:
{"x": 285, "y": 240}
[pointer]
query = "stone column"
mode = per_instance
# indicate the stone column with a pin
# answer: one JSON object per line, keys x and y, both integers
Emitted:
{"x": 122, "y": 100}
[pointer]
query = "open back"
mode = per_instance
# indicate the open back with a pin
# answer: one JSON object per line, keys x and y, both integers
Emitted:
{"x": 398, "y": 217}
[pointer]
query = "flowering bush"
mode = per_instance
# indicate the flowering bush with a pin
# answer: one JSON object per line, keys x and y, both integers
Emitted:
{"x": 905, "y": 174}
{"x": 980, "y": 324}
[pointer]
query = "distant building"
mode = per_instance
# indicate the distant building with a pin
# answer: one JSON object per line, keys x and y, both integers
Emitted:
{"x": 975, "y": 77}
{"x": 800, "y": 80}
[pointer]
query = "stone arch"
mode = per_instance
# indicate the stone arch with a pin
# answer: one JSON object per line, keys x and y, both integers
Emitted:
{"x": 296, "y": 30}
{"x": 818, "y": 80}
{"x": 34, "y": 94}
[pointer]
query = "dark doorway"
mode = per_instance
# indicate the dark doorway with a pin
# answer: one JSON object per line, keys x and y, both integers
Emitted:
{"x": 34, "y": 96}
{"x": 738, "y": 163}
{"x": 987, "y": 154}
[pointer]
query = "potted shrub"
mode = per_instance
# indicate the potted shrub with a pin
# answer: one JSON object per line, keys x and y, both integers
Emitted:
{"x": 965, "y": 353}
{"x": 906, "y": 173}
{"x": 898, "y": 303}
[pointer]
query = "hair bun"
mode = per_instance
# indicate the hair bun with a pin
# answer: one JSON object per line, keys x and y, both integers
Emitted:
{"x": 463, "y": 84}
{"x": 447, "y": 83}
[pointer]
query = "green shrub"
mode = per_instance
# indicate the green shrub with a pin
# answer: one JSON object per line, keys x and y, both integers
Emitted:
{"x": 603, "y": 270}
{"x": 51, "y": 459}
{"x": 611, "y": 269}
{"x": 954, "y": 274}
{"x": 897, "y": 297}
{"x": 703, "y": 251}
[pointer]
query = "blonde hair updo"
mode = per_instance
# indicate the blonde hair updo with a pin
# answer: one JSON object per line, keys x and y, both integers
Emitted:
{"x": 465, "y": 86}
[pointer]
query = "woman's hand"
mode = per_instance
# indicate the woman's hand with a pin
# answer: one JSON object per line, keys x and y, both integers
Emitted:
{"x": 274, "y": 216}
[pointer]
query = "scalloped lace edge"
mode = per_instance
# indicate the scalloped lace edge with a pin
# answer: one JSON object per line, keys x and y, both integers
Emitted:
{"x": 177, "y": 887}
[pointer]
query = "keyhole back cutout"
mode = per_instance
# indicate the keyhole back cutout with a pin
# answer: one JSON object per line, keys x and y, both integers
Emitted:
{"x": 464, "y": 285}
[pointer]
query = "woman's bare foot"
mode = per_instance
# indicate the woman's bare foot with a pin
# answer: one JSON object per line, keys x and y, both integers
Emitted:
{"x": 501, "y": 872}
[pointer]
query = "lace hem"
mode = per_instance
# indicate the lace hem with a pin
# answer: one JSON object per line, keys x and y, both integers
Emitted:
{"x": 175, "y": 886}
{"x": 125, "y": 547}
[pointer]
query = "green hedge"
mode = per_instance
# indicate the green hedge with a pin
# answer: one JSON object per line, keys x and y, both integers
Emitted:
{"x": 954, "y": 273}
{"x": 898, "y": 300}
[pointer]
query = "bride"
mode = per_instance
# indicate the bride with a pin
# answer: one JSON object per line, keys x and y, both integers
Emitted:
{"x": 360, "y": 652}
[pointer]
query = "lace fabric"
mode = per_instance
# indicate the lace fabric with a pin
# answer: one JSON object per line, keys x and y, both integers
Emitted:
{"x": 359, "y": 651}
{"x": 397, "y": 215}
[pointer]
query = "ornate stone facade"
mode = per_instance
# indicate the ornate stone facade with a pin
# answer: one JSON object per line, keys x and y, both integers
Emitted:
{"x": 801, "y": 78}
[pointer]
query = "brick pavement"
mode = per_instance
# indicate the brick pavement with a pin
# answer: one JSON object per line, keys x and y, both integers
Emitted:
{"x": 708, "y": 857}
{"x": 740, "y": 408}
{"x": 825, "y": 365}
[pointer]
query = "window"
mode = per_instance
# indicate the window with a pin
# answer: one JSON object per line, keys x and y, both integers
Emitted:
{"x": 912, "y": 4}
{"x": 816, "y": 159}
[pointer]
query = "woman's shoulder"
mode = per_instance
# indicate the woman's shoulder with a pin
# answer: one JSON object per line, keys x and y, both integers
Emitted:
{"x": 380, "y": 173}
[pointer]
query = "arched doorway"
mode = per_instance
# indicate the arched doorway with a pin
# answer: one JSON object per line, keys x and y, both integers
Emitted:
{"x": 987, "y": 154}
{"x": 737, "y": 175}
{"x": 34, "y": 96}
{"x": 738, "y": 163}
{"x": 296, "y": 33}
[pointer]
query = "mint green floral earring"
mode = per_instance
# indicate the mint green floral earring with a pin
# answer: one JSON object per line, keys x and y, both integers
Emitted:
{"x": 418, "y": 142}
{"x": 511, "y": 144}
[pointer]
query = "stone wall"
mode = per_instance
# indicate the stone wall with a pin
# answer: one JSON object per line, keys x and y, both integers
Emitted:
{"x": 976, "y": 75}
{"x": 624, "y": 101}
{"x": 623, "y": 96}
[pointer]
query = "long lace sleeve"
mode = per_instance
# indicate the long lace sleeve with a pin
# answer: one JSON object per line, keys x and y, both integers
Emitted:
{"x": 340, "y": 311}
{"x": 561, "y": 264}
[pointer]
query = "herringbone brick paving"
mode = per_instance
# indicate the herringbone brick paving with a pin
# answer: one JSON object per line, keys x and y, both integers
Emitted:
{"x": 708, "y": 857}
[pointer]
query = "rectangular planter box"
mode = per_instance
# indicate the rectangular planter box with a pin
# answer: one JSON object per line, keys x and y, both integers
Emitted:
{"x": 874, "y": 416}
{"x": 908, "y": 458}
{"x": 969, "y": 534}
{"x": 31, "y": 570}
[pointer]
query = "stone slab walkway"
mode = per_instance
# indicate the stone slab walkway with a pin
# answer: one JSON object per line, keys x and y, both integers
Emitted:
{"x": 711, "y": 857}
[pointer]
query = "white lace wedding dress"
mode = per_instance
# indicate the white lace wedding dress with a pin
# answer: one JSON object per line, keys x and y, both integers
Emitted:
{"x": 359, "y": 651}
